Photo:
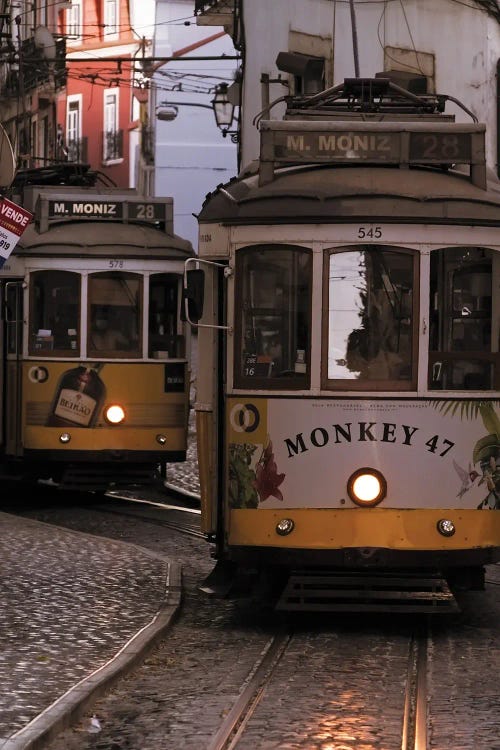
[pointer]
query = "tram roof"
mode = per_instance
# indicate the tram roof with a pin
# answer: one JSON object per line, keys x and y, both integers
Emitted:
{"x": 339, "y": 193}
{"x": 100, "y": 238}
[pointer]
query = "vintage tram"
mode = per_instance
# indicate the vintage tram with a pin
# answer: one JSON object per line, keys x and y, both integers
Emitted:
{"x": 348, "y": 413}
{"x": 95, "y": 359}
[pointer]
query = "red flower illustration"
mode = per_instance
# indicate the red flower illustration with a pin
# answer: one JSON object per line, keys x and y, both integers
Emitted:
{"x": 267, "y": 479}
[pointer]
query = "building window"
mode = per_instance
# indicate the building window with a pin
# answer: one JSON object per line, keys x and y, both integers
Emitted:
{"x": 110, "y": 18}
{"x": 74, "y": 21}
{"x": 73, "y": 128}
{"x": 112, "y": 137}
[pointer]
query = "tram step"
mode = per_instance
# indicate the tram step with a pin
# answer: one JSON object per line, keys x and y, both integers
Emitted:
{"x": 359, "y": 592}
{"x": 94, "y": 478}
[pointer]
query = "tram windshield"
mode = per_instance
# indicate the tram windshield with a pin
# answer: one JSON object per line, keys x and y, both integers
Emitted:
{"x": 273, "y": 328}
{"x": 370, "y": 329}
{"x": 464, "y": 319}
{"x": 164, "y": 341}
{"x": 115, "y": 315}
{"x": 55, "y": 313}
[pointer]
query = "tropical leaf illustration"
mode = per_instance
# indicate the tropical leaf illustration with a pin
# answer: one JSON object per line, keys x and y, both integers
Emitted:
{"x": 248, "y": 487}
{"x": 267, "y": 479}
{"x": 486, "y": 451}
{"x": 242, "y": 492}
{"x": 484, "y": 447}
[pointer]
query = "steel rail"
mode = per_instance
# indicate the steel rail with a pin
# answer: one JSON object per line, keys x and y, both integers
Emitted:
{"x": 233, "y": 725}
{"x": 414, "y": 733}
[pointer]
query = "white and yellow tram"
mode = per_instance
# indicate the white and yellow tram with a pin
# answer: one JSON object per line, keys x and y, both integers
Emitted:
{"x": 95, "y": 374}
{"x": 348, "y": 402}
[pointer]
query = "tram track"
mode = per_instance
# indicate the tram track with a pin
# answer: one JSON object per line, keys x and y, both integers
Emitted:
{"x": 414, "y": 734}
{"x": 254, "y": 694}
{"x": 159, "y": 513}
{"x": 226, "y": 738}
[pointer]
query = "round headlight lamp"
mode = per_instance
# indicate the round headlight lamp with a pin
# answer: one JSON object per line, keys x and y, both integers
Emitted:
{"x": 366, "y": 487}
{"x": 446, "y": 527}
{"x": 114, "y": 414}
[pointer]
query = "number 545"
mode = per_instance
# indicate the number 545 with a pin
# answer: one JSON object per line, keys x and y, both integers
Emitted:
{"x": 372, "y": 233}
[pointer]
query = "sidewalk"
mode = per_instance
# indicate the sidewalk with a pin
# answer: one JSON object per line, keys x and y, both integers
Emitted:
{"x": 76, "y": 611}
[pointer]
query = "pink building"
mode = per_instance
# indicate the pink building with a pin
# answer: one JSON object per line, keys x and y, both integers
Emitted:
{"x": 102, "y": 101}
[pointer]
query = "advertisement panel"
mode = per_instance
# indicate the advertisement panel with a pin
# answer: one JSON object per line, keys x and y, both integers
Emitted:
{"x": 298, "y": 453}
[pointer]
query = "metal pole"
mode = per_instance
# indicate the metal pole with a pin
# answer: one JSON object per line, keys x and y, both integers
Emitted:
{"x": 354, "y": 39}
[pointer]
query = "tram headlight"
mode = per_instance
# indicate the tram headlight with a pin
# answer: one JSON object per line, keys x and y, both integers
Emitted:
{"x": 114, "y": 414}
{"x": 445, "y": 527}
{"x": 366, "y": 487}
{"x": 285, "y": 526}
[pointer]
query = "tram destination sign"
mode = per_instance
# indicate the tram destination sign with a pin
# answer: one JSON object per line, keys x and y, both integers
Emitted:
{"x": 103, "y": 207}
{"x": 402, "y": 143}
{"x": 107, "y": 209}
{"x": 89, "y": 209}
{"x": 373, "y": 146}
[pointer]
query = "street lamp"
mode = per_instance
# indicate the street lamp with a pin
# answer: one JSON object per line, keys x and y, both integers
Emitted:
{"x": 224, "y": 111}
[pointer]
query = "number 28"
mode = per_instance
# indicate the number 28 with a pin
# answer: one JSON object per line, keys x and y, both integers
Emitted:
{"x": 372, "y": 233}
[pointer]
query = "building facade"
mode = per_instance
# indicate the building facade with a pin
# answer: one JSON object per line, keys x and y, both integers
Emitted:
{"x": 32, "y": 73}
{"x": 302, "y": 46}
{"x": 99, "y": 110}
{"x": 191, "y": 156}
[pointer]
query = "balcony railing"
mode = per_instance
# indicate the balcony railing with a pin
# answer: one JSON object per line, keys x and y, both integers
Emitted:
{"x": 77, "y": 149}
{"x": 33, "y": 70}
{"x": 112, "y": 145}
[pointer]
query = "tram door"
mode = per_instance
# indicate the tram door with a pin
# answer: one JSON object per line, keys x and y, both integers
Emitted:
{"x": 11, "y": 371}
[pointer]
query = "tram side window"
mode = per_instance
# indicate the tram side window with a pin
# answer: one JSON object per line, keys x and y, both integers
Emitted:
{"x": 273, "y": 297}
{"x": 370, "y": 325}
{"x": 114, "y": 315}
{"x": 464, "y": 319}
{"x": 164, "y": 341}
{"x": 55, "y": 313}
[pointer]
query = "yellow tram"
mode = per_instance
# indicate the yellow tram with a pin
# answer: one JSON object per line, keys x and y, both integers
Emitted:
{"x": 95, "y": 375}
{"x": 348, "y": 412}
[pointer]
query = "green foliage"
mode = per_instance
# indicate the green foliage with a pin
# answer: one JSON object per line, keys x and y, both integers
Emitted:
{"x": 242, "y": 492}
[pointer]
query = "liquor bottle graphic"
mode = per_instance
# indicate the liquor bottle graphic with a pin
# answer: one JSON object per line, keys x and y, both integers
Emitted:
{"x": 79, "y": 397}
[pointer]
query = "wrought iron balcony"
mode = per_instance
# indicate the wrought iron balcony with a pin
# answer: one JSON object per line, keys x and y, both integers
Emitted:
{"x": 76, "y": 149}
{"x": 112, "y": 145}
{"x": 31, "y": 69}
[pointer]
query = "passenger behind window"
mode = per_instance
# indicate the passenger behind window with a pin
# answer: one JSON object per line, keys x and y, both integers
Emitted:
{"x": 106, "y": 334}
{"x": 365, "y": 356}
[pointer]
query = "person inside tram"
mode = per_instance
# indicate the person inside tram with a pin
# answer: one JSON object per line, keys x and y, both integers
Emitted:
{"x": 106, "y": 334}
{"x": 370, "y": 353}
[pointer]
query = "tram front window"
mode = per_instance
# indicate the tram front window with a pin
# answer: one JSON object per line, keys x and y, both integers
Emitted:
{"x": 163, "y": 340}
{"x": 464, "y": 319}
{"x": 273, "y": 317}
{"x": 370, "y": 318}
{"x": 114, "y": 325}
{"x": 55, "y": 314}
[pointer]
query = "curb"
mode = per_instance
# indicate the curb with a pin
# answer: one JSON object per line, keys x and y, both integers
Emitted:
{"x": 71, "y": 706}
